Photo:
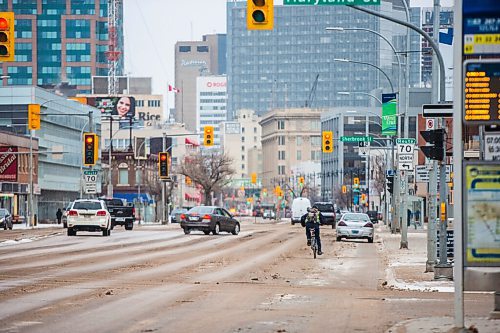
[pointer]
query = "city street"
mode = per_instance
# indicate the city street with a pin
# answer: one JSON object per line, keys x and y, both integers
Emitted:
{"x": 156, "y": 279}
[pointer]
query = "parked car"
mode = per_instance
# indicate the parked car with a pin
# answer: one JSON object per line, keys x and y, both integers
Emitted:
{"x": 89, "y": 215}
{"x": 5, "y": 219}
{"x": 64, "y": 217}
{"x": 299, "y": 208}
{"x": 327, "y": 211}
{"x": 269, "y": 214}
{"x": 355, "y": 225}
{"x": 209, "y": 219}
{"x": 121, "y": 213}
{"x": 374, "y": 215}
{"x": 175, "y": 214}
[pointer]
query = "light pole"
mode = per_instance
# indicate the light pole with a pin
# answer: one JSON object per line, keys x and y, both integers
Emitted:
{"x": 347, "y": 93}
{"x": 81, "y": 164}
{"x": 368, "y": 64}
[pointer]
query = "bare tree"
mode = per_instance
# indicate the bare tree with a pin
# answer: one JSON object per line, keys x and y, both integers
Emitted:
{"x": 379, "y": 174}
{"x": 210, "y": 171}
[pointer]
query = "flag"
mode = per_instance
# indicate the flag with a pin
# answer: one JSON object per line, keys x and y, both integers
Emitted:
{"x": 174, "y": 89}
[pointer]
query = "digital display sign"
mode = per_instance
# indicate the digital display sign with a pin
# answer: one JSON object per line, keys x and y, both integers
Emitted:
{"x": 481, "y": 27}
{"x": 482, "y": 92}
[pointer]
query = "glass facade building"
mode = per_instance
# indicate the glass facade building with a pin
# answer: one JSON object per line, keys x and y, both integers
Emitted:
{"x": 277, "y": 68}
{"x": 59, "y": 41}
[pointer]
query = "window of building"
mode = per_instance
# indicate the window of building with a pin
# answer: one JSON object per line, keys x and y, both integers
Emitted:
{"x": 281, "y": 124}
{"x": 243, "y": 130}
{"x": 281, "y": 155}
{"x": 242, "y": 157}
{"x": 203, "y": 48}
{"x": 315, "y": 125}
{"x": 184, "y": 48}
{"x": 154, "y": 103}
{"x": 299, "y": 141}
{"x": 242, "y": 139}
{"x": 315, "y": 141}
{"x": 281, "y": 140}
{"x": 242, "y": 148}
{"x": 123, "y": 175}
{"x": 139, "y": 102}
{"x": 255, "y": 129}
{"x": 243, "y": 167}
{"x": 281, "y": 169}
{"x": 299, "y": 155}
{"x": 315, "y": 155}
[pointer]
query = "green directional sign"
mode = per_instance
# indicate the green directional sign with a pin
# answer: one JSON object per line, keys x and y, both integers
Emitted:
{"x": 406, "y": 141}
{"x": 356, "y": 138}
{"x": 330, "y": 2}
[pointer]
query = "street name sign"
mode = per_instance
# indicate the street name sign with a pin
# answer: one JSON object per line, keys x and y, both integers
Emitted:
{"x": 405, "y": 141}
{"x": 90, "y": 178}
{"x": 437, "y": 110}
{"x": 330, "y": 2}
{"x": 356, "y": 138}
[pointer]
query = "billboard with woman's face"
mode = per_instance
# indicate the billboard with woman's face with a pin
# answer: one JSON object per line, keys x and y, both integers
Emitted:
{"x": 119, "y": 107}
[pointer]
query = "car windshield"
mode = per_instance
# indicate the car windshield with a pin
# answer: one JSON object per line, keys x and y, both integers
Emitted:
{"x": 114, "y": 202}
{"x": 200, "y": 210}
{"x": 324, "y": 207}
{"x": 3, "y": 212}
{"x": 355, "y": 217}
{"x": 88, "y": 205}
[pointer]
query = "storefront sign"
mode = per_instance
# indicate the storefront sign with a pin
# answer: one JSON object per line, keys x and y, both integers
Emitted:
{"x": 8, "y": 164}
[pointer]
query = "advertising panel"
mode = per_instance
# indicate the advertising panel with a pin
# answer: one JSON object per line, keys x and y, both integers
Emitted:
{"x": 389, "y": 111}
{"x": 8, "y": 164}
{"x": 482, "y": 214}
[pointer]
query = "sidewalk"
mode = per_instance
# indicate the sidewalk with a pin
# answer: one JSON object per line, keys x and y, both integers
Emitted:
{"x": 406, "y": 271}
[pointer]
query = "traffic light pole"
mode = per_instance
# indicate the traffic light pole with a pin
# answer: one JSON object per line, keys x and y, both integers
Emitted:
{"x": 163, "y": 190}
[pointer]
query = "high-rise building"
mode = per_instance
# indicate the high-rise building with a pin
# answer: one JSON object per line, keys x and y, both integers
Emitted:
{"x": 211, "y": 100}
{"x": 60, "y": 41}
{"x": 278, "y": 68}
{"x": 194, "y": 59}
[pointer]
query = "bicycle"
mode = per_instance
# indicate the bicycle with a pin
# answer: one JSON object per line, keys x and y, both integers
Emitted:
{"x": 314, "y": 245}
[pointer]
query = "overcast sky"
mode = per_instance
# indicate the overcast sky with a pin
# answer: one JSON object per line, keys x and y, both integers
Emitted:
{"x": 152, "y": 27}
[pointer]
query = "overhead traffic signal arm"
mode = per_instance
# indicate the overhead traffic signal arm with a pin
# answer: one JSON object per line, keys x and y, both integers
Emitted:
{"x": 260, "y": 14}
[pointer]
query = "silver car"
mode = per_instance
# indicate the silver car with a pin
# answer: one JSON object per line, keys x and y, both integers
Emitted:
{"x": 355, "y": 225}
{"x": 5, "y": 219}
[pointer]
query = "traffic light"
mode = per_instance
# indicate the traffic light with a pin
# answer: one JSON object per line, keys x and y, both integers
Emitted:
{"x": 356, "y": 181}
{"x": 260, "y": 14}
{"x": 163, "y": 165}
{"x": 390, "y": 184}
{"x": 254, "y": 178}
{"x": 327, "y": 141}
{"x": 34, "y": 116}
{"x": 436, "y": 138}
{"x": 277, "y": 190}
{"x": 344, "y": 189}
{"x": 363, "y": 197}
{"x": 6, "y": 36}
{"x": 301, "y": 180}
{"x": 188, "y": 181}
{"x": 208, "y": 135}
{"x": 90, "y": 149}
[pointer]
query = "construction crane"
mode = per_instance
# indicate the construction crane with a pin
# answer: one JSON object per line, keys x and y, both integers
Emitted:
{"x": 312, "y": 93}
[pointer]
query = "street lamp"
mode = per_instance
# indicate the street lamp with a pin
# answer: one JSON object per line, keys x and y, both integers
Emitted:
{"x": 347, "y": 93}
{"x": 368, "y": 64}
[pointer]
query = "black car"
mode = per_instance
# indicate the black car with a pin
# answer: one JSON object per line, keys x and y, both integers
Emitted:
{"x": 209, "y": 219}
{"x": 175, "y": 215}
{"x": 5, "y": 219}
{"x": 327, "y": 211}
{"x": 374, "y": 215}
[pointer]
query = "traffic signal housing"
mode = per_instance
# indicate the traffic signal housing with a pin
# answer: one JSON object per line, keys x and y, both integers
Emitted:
{"x": 163, "y": 165}
{"x": 90, "y": 149}
{"x": 434, "y": 151}
{"x": 344, "y": 189}
{"x": 6, "y": 36}
{"x": 208, "y": 136}
{"x": 301, "y": 180}
{"x": 390, "y": 184}
{"x": 327, "y": 141}
{"x": 34, "y": 116}
{"x": 254, "y": 178}
{"x": 260, "y": 14}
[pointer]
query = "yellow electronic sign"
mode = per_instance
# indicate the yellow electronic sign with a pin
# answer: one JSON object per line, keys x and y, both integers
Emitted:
{"x": 482, "y": 92}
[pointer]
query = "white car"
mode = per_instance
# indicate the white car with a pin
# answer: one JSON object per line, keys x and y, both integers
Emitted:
{"x": 88, "y": 215}
{"x": 355, "y": 225}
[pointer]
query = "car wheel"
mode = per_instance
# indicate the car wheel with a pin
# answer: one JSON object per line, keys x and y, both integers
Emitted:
{"x": 105, "y": 232}
{"x": 236, "y": 229}
{"x": 65, "y": 225}
{"x": 10, "y": 226}
{"x": 293, "y": 223}
{"x": 339, "y": 238}
{"x": 71, "y": 232}
{"x": 186, "y": 231}
{"x": 216, "y": 230}
{"x": 206, "y": 232}
{"x": 129, "y": 227}
{"x": 370, "y": 239}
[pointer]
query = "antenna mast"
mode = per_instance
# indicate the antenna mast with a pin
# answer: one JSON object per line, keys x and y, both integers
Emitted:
{"x": 113, "y": 53}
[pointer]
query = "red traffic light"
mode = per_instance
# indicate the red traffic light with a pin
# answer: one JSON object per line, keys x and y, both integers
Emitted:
{"x": 4, "y": 24}
{"x": 163, "y": 157}
{"x": 89, "y": 139}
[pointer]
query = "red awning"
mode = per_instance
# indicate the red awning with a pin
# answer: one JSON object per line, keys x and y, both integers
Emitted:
{"x": 189, "y": 141}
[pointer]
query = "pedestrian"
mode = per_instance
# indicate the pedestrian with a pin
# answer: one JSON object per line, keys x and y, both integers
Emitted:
{"x": 409, "y": 217}
{"x": 59, "y": 215}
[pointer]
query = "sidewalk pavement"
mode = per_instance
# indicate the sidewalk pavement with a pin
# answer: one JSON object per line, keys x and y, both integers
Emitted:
{"x": 406, "y": 271}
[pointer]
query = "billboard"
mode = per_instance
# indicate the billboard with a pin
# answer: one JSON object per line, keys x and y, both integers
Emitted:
{"x": 8, "y": 164}
{"x": 122, "y": 107}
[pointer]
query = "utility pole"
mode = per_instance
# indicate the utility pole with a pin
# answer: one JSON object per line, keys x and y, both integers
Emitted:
{"x": 163, "y": 183}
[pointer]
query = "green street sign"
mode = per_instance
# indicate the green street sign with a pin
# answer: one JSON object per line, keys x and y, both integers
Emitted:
{"x": 356, "y": 138}
{"x": 330, "y": 2}
{"x": 405, "y": 141}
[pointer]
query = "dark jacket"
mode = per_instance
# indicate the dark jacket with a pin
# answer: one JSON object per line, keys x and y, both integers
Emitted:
{"x": 59, "y": 213}
{"x": 304, "y": 219}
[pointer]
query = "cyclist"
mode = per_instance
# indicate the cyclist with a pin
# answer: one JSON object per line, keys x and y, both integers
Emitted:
{"x": 313, "y": 219}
